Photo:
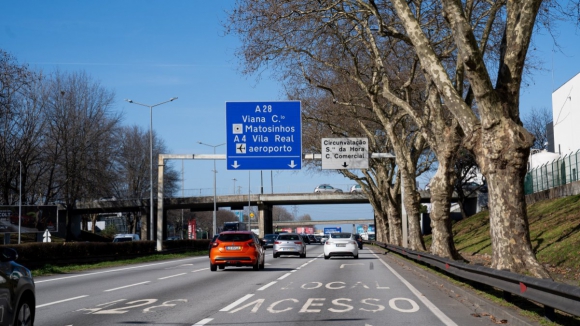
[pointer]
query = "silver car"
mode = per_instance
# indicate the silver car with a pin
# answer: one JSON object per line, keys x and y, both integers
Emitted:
{"x": 289, "y": 244}
{"x": 326, "y": 188}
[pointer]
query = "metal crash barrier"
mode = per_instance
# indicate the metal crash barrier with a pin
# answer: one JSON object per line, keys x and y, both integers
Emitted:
{"x": 553, "y": 295}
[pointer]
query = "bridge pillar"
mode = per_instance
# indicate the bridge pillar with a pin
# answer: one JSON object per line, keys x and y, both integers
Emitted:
{"x": 265, "y": 219}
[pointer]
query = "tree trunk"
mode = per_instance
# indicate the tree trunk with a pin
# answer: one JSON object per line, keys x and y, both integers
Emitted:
{"x": 412, "y": 201}
{"x": 504, "y": 169}
{"x": 381, "y": 228}
{"x": 441, "y": 186}
{"x": 395, "y": 230}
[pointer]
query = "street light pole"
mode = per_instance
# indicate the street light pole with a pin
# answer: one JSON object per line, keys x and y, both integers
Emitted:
{"x": 151, "y": 158}
{"x": 20, "y": 201}
{"x": 214, "y": 186}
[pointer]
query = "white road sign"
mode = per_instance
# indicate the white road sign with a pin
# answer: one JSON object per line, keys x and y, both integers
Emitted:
{"x": 345, "y": 153}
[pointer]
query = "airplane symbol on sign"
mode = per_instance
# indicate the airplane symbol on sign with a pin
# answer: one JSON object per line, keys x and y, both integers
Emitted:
{"x": 241, "y": 149}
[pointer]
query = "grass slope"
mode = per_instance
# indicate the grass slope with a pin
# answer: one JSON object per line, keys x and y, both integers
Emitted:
{"x": 554, "y": 232}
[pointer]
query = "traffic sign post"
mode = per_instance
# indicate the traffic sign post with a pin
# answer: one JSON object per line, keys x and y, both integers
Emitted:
{"x": 345, "y": 153}
{"x": 264, "y": 135}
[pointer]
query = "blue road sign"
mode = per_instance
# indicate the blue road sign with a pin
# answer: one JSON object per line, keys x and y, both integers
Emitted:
{"x": 333, "y": 230}
{"x": 264, "y": 135}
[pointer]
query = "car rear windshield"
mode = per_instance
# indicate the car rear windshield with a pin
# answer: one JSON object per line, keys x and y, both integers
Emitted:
{"x": 340, "y": 235}
{"x": 270, "y": 236}
{"x": 288, "y": 237}
{"x": 235, "y": 237}
{"x": 122, "y": 239}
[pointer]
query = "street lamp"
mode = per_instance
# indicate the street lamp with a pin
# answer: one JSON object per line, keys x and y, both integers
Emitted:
{"x": 151, "y": 158}
{"x": 20, "y": 202}
{"x": 214, "y": 175}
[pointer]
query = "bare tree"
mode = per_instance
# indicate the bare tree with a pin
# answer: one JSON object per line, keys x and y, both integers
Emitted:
{"x": 21, "y": 123}
{"x": 494, "y": 134}
{"x": 80, "y": 137}
{"x": 536, "y": 123}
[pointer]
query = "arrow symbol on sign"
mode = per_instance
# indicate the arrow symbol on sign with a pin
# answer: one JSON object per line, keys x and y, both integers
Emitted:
{"x": 344, "y": 164}
{"x": 235, "y": 165}
{"x": 292, "y": 165}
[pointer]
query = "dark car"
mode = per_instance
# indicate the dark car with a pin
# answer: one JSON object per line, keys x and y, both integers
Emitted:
{"x": 269, "y": 239}
{"x": 17, "y": 291}
{"x": 312, "y": 238}
{"x": 305, "y": 238}
{"x": 358, "y": 240}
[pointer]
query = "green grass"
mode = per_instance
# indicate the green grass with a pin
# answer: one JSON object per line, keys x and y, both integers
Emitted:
{"x": 555, "y": 235}
{"x": 51, "y": 269}
{"x": 554, "y": 232}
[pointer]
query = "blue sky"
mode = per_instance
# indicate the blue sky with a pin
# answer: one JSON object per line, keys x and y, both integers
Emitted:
{"x": 150, "y": 51}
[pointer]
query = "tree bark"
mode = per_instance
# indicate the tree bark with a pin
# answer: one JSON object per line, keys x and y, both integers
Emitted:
{"x": 442, "y": 234}
{"x": 502, "y": 157}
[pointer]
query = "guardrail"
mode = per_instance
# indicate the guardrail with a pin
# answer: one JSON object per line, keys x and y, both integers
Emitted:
{"x": 553, "y": 295}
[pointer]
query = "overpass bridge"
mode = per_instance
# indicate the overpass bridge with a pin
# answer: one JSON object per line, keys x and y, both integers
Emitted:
{"x": 264, "y": 202}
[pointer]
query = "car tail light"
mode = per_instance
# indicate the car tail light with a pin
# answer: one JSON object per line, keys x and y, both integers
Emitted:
{"x": 298, "y": 242}
{"x": 215, "y": 244}
{"x": 277, "y": 242}
{"x": 328, "y": 242}
{"x": 250, "y": 244}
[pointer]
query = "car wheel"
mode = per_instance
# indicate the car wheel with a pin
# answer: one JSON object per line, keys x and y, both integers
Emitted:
{"x": 263, "y": 264}
{"x": 356, "y": 257}
{"x": 302, "y": 255}
{"x": 24, "y": 313}
{"x": 275, "y": 255}
{"x": 256, "y": 266}
{"x": 326, "y": 257}
{"x": 212, "y": 267}
{"x": 222, "y": 267}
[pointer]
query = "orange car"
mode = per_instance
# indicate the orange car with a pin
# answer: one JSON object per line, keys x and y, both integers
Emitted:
{"x": 237, "y": 248}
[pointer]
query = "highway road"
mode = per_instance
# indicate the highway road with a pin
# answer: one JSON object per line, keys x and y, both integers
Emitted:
{"x": 370, "y": 291}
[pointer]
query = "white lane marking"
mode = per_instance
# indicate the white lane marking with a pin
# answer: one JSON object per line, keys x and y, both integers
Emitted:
{"x": 199, "y": 270}
{"x": 284, "y": 276}
{"x": 267, "y": 286}
{"x": 342, "y": 265}
{"x": 237, "y": 302}
{"x": 60, "y": 301}
{"x": 166, "y": 277}
{"x": 203, "y": 322}
{"x": 446, "y": 320}
{"x": 103, "y": 272}
{"x": 126, "y": 286}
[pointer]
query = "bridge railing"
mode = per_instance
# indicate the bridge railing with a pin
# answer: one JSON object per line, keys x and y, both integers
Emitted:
{"x": 551, "y": 294}
{"x": 285, "y": 189}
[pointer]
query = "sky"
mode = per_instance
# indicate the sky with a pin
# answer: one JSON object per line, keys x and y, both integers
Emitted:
{"x": 151, "y": 51}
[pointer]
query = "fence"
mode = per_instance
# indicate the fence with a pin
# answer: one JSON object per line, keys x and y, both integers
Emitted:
{"x": 553, "y": 174}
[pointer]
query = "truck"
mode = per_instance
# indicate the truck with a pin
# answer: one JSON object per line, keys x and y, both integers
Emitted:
{"x": 367, "y": 232}
{"x": 234, "y": 226}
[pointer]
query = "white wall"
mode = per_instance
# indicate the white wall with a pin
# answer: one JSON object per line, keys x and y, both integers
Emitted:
{"x": 566, "y": 116}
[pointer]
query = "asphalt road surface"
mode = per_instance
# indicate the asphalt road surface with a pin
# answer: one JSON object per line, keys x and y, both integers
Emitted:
{"x": 369, "y": 291}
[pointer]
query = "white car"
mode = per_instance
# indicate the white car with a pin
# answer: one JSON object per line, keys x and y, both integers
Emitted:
{"x": 355, "y": 189}
{"x": 340, "y": 244}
